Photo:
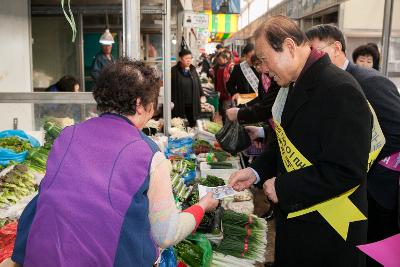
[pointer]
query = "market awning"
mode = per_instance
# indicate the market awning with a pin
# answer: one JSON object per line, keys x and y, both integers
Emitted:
{"x": 221, "y": 26}
{"x": 219, "y": 37}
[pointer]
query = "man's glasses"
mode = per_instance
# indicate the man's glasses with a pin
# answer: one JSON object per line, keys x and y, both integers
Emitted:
{"x": 322, "y": 48}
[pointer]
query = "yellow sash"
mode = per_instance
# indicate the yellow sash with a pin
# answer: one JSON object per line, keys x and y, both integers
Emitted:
{"x": 338, "y": 211}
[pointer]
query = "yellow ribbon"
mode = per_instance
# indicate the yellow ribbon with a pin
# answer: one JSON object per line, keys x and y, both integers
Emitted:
{"x": 339, "y": 212}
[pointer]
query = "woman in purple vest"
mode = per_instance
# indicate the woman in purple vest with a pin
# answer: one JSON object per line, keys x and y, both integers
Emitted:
{"x": 106, "y": 199}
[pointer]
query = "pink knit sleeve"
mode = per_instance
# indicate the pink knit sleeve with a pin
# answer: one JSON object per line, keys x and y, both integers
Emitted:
{"x": 168, "y": 224}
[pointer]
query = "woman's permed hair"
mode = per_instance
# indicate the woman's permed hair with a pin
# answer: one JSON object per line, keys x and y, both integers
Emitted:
{"x": 120, "y": 84}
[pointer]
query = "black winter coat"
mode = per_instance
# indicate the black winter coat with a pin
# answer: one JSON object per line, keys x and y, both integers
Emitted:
{"x": 259, "y": 109}
{"x": 177, "y": 93}
{"x": 238, "y": 83}
{"x": 383, "y": 183}
{"x": 327, "y": 118}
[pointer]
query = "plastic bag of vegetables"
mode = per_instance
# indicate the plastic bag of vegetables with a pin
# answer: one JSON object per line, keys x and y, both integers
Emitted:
{"x": 201, "y": 241}
{"x": 14, "y": 146}
{"x": 195, "y": 251}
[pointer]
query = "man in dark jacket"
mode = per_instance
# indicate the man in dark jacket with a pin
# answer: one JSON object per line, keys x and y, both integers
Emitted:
{"x": 258, "y": 109}
{"x": 104, "y": 57}
{"x": 323, "y": 131}
{"x": 383, "y": 182}
{"x": 186, "y": 89}
{"x": 240, "y": 82}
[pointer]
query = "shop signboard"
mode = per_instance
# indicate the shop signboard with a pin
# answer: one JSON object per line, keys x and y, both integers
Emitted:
{"x": 194, "y": 20}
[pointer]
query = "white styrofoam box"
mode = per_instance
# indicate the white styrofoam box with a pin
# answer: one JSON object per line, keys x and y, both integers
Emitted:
{"x": 224, "y": 174}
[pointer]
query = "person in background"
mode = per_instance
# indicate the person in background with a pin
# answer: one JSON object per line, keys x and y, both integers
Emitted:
{"x": 205, "y": 64}
{"x": 219, "y": 48}
{"x": 236, "y": 58}
{"x": 63, "y": 114}
{"x": 229, "y": 55}
{"x": 186, "y": 90}
{"x": 259, "y": 109}
{"x": 239, "y": 82}
{"x": 365, "y": 56}
{"x": 106, "y": 198}
{"x": 383, "y": 181}
{"x": 65, "y": 84}
{"x": 104, "y": 57}
{"x": 321, "y": 116}
{"x": 378, "y": 59}
{"x": 222, "y": 73}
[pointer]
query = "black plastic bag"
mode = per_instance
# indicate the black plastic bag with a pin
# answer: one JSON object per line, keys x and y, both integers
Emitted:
{"x": 233, "y": 138}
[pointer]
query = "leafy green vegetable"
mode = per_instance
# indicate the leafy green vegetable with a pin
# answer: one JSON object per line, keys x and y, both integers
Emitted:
{"x": 16, "y": 184}
{"x": 52, "y": 130}
{"x": 212, "y": 181}
{"x": 37, "y": 159}
{"x": 15, "y": 144}
{"x": 220, "y": 165}
{"x": 189, "y": 253}
{"x": 212, "y": 127}
{"x": 244, "y": 236}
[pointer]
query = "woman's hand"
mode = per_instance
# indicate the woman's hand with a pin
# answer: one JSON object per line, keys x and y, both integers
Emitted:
{"x": 208, "y": 202}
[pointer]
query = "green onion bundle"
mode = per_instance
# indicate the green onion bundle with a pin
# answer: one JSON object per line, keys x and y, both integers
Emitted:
{"x": 244, "y": 236}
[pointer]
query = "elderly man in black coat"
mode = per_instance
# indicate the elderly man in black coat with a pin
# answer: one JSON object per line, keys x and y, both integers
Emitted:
{"x": 383, "y": 181}
{"x": 320, "y": 153}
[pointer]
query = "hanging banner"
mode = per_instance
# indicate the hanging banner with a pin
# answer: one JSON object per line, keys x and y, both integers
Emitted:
{"x": 226, "y": 6}
{"x": 221, "y": 23}
{"x": 194, "y": 20}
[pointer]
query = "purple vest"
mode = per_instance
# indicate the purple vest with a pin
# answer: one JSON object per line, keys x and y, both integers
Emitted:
{"x": 92, "y": 209}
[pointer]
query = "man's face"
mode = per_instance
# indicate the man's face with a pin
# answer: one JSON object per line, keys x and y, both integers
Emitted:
{"x": 280, "y": 65}
{"x": 107, "y": 49}
{"x": 365, "y": 61}
{"x": 186, "y": 61}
